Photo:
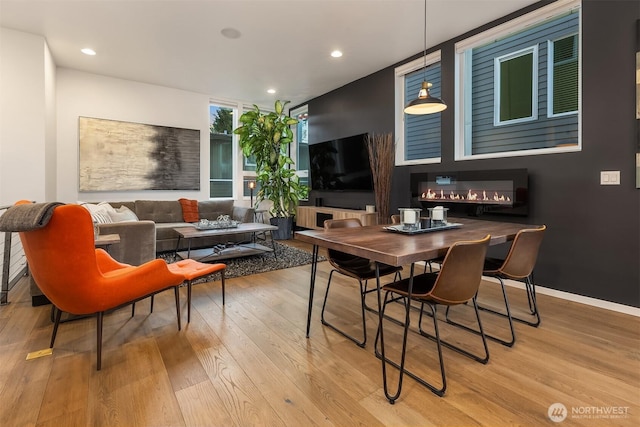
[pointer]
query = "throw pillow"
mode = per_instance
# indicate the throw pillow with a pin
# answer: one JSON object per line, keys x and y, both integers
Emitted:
{"x": 100, "y": 212}
{"x": 189, "y": 210}
{"x": 123, "y": 214}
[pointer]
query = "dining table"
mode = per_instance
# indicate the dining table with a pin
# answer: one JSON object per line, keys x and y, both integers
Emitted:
{"x": 389, "y": 244}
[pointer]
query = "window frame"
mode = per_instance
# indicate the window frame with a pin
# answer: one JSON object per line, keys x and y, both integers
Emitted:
{"x": 236, "y": 112}
{"x": 463, "y": 61}
{"x": 400, "y": 101}
{"x": 551, "y": 73}
{"x": 303, "y": 109}
{"x": 497, "y": 93}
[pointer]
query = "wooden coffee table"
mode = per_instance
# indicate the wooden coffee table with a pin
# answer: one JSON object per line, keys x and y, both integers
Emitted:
{"x": 235, "y": 251}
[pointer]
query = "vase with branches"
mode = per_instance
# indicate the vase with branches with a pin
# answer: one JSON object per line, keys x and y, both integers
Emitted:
{"x": 382, "y": 161}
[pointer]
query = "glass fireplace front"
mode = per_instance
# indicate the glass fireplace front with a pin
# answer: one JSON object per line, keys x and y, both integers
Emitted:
{"x": 502, "y": 191}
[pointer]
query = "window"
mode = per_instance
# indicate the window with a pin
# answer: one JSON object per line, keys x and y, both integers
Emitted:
{"x": 563, "y": 84}
{"x": 518, "y": 86}
{"x": 515, "y": 84}
{"x": 418, "y": 136}
{"x": 221, "y": 124}
{"x": 300, "y": 147}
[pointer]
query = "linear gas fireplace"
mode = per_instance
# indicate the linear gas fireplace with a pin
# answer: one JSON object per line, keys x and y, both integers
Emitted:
{"x": 501, "y": 191}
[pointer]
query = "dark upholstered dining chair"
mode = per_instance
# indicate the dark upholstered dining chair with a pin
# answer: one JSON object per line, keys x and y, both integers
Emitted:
{"x": 359, "y": 268}
{"x": 456, "y": 283}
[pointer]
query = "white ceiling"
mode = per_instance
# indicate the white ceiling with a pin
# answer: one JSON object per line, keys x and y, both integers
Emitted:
{"x": 284, "y": 44}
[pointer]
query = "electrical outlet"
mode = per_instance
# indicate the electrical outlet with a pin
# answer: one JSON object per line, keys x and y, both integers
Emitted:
{"x": 609, "y": 177}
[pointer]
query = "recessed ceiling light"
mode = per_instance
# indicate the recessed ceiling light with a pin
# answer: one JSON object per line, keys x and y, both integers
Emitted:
{"x": 230, "y": 33}
{"x": 336, "y": 54}
{"x": 272, "y": 91}
{"x": 88, "y": 51}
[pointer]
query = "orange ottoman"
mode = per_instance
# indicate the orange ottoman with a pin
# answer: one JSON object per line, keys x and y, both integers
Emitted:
{"x": 192, "y": 270}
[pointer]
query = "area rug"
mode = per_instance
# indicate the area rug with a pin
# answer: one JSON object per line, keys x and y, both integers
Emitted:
{"x": 288, "y": 257}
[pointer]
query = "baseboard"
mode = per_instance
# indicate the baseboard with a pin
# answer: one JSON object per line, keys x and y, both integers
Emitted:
{"x": 594, "y": 302}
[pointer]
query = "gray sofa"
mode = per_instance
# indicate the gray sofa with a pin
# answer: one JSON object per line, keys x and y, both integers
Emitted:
{"x": 139, "y": 244}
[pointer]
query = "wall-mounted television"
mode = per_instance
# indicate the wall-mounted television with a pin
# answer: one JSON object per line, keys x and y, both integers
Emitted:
{"x": 341, "y": 165}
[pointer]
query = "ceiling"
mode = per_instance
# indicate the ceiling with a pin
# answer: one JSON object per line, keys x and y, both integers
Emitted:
{"x": 283, "y": 44}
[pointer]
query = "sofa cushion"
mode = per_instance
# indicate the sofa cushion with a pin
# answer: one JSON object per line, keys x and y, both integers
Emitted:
{"x": 130, "y": 205}
{"x": 212, "y": 209}
{"x": 159, "y": 210}
{"x": 189, "y": 210}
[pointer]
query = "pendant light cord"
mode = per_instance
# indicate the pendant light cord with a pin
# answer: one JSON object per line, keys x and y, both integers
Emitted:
{"x": 424, "y": 67}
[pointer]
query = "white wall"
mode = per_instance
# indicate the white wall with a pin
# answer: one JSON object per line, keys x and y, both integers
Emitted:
{"x": 50, "y": 125}
{"x": 90, "y": 95}
{"x": 26, "y": 124}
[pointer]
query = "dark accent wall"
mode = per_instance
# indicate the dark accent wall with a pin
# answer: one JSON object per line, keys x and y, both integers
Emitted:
{"x": 592, "y": 246}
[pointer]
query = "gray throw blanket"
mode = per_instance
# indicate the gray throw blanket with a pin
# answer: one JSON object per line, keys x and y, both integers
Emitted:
{"x": 27, "y": 217}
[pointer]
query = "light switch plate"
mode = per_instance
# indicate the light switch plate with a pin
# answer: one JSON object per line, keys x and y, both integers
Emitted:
{"x": 609, "y": 177}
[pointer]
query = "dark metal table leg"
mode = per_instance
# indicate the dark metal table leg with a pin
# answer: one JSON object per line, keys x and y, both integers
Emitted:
{"x": 312, "y": 283}
{"x": 273, "y": 245}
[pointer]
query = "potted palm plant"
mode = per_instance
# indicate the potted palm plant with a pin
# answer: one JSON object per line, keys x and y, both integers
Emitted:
{"x": 266, "y": 136}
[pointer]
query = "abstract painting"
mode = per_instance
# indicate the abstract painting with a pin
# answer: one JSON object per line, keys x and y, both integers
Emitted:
{"x": 122, "y": 156}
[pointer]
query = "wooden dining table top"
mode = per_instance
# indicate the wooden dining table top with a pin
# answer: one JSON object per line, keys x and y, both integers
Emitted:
{"x": 376, "y": 243}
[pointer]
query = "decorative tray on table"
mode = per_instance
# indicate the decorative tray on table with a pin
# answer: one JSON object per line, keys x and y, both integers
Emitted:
{"x": 222, "y": 222}
{"x": 399, "y": 228}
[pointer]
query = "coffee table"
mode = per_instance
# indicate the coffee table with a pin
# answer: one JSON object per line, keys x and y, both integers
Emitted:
{"x": 235, "y": 251}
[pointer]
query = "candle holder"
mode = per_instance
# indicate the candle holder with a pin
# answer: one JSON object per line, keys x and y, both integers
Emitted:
{"x": 410, "y": 218}
{"x": 438, "y": 216}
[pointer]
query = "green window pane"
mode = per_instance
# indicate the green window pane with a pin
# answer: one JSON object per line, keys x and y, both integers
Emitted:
{"x": 516, "y": 88}
{"x": 220, "y": 152}
{"x": 565, "y": 75}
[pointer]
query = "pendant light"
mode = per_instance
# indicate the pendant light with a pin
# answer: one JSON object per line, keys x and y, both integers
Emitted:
{"x": 425, "y": 103}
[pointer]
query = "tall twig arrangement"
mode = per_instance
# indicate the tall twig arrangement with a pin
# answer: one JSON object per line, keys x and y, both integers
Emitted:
{"x": 382, "y": 161}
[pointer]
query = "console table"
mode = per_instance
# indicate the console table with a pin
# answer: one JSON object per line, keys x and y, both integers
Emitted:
{"x": 314, "y": 216}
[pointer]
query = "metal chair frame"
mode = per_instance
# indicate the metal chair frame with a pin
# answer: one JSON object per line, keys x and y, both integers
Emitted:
{"x": 99, "y": 321}
{"x": 351, "y": 268}
{"x": 518, "y": 265}
{"x": 432, "y": 298}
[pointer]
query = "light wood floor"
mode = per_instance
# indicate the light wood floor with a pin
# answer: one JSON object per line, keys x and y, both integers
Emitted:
{"x": 249, "y": 363}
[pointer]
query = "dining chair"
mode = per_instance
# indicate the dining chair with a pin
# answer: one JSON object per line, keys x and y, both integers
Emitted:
{"x": 518, "y": 265}
{"x": 455, "y": 283}
{"x": 78, "y": 278}
{"x": 356, "y": 267}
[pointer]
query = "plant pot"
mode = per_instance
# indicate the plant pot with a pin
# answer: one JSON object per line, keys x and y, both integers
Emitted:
{"x": 285, "y": 228}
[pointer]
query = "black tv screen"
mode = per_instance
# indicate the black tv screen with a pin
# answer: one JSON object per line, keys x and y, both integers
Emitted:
{"x": 341, "y": 165}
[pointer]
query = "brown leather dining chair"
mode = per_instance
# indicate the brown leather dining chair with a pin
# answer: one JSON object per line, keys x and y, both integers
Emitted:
{"x": 456, "y": 283}
{"x": 359, "y": 268}
{"x": 518, "y": 265}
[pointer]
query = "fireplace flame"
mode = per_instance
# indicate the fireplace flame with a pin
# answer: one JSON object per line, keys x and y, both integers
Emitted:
{"x": 470, "y": 196}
